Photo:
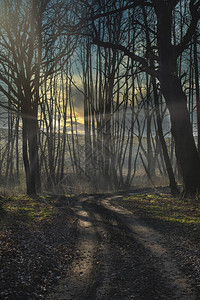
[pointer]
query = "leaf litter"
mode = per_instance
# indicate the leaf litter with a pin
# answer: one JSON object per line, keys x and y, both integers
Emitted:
{"x": 37, "y": 240}
{"x": 178, "y": 220}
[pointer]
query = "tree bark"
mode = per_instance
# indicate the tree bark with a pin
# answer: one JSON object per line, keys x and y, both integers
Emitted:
{"x": 181, "y": 128}
{"x": 176, "y": 101}
{"x": 30, "y": 180}
{"x": 172, "y": 181}
{"x": 30, "y": 154}
{"x": 196, "y": 70}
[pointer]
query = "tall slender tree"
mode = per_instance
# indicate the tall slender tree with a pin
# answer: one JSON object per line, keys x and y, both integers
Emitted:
{"x": 28, "y": 32}
{"x": 165, "y": 55}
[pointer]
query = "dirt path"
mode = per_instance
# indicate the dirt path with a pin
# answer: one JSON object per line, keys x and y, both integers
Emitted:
{"x": 120, "y": 257}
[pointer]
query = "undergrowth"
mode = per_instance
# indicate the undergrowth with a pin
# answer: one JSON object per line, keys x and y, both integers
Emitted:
{"x": 164, "y": 207}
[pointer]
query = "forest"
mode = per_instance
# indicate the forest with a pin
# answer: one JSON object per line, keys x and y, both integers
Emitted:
{"x": 102, "y": 94}
{"x": 99, "y": 149}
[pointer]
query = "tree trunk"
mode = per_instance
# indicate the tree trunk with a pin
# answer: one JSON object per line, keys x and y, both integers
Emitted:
{"x": 30, "y": 155}
{"x": 30, "y": 188}
{"x": 176, "y": 101}
{"x": 181, "y": 128}
{"x": 172, "y": 181}
{"x": 196, "y": 69}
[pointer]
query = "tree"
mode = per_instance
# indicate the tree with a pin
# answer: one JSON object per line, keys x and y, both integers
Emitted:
{"x": 164, "y": 54}
{"x": 29, "y": 30}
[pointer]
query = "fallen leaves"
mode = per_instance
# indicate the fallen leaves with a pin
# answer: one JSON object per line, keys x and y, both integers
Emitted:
{"x": 34, "y": 251}
{"x": 177, "y": 219}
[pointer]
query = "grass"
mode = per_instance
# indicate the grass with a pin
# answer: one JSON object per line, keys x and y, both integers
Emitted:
{"x": 36, "y": 242}
{"x": 24, "y": 210}
{"x": 165, "y": 207}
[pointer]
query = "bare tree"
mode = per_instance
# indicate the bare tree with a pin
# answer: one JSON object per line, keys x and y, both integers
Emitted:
{"x": 27, "y": 35}
{"x": 165, "y": 55}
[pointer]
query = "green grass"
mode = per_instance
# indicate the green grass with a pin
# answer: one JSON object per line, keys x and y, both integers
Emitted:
{"x": 25, "y": 210}
{"x": 167, "y": 208}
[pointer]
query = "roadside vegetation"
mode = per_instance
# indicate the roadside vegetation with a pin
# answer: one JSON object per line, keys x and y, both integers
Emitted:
{"x": 37, "y": 239}
{"x": 177, "y": 219}
{"x": 169, "y": 209}
{"x": 166, "y": 213}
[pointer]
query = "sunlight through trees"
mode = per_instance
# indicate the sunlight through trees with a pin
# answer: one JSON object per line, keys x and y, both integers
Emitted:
{"x": 99, "y": 96}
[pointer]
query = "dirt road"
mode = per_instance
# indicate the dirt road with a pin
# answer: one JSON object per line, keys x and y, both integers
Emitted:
{"x": 119, "y": 256}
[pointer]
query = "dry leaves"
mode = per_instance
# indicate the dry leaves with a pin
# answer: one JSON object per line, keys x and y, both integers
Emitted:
{"x": 34, "y": 252}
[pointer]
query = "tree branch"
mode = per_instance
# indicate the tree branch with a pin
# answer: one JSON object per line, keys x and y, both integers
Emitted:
{"x": 194, "y": 8}
{"x": 144, "y": 65}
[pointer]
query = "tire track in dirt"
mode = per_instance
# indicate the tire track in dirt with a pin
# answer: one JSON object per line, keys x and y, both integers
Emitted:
{"x": 154, "y": 241}
{"x": 130, "y": 268}
{"x": 119, "y": 257}
{"x": 80, "y": 275}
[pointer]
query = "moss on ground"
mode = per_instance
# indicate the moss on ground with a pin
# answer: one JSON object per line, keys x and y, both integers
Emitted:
{"x": 37, "y": 239}
{"x": 25, "y": 210}
{"x": 167, "y": 208}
